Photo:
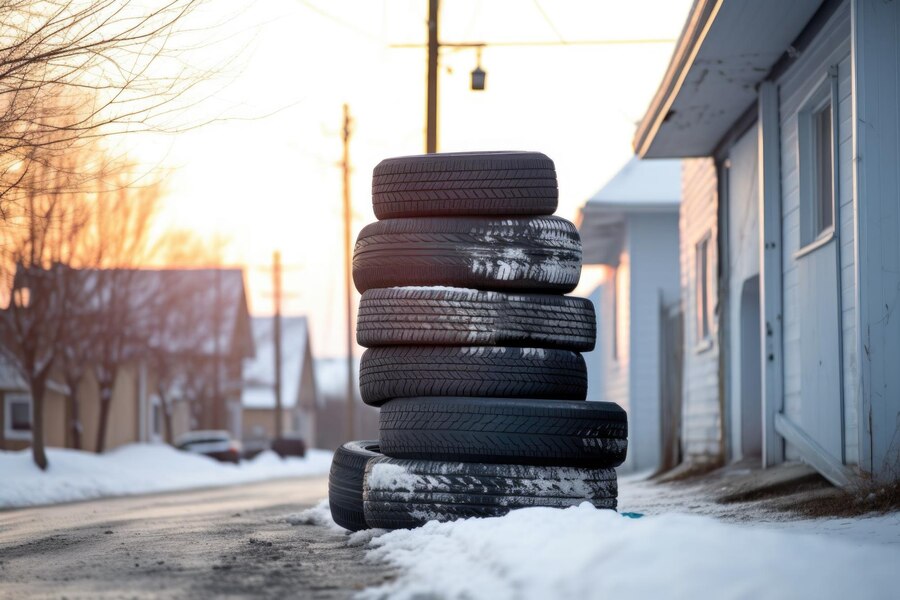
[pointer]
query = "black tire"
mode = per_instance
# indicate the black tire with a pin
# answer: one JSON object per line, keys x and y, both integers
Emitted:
{"x": 470, "y": 183}
{"x": 538, "y": 254}
{"x": 345, "y": 483}
{"x": 457, "y": 317}
{"x": 499, "y": 372}
{"x": 515, "y": 431}
{"x": 402, "y": 493}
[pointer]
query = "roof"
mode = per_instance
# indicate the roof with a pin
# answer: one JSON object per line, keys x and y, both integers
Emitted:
{"x": 11, "y": 378}
{"x": 640, "y": 187}
{"x": 725, "y": 50}
{"x": 259, "y": 372}
{"x": 199, "y": 311}
{"x": 331, "y": 378}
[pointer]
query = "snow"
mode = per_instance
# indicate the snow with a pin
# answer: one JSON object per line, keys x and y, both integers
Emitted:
{"x": 583, "y": 552}
{"x": 433, "y": 288}
{"x": 136, "y": 469}
{"x": 259, "y": 371}
{"x": 642, "y": 182}
{"x": 320, "y": 514}
{"x": 388, "y": 476}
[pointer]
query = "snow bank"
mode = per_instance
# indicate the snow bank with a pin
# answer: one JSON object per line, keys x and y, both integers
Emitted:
{"x": 320, "y": 514}
{"x": 136, "y": 469}
{"x": 582, "y": 552}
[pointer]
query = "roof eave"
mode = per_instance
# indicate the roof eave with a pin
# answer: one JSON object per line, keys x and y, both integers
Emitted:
{"x": 701, "y": 16}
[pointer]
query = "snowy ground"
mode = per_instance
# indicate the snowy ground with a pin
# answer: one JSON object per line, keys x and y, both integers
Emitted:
{"x": 681, "y": 546}
{"x": 136, "y": 469}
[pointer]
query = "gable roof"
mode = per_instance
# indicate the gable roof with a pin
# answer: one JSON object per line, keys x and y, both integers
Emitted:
{"x": 259, "y": 372}
{"x": 724, "y": 51}
{"x": 640, "y": 187}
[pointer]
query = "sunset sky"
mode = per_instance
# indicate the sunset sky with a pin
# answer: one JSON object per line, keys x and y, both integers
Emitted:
{"x": 267, "y": 176}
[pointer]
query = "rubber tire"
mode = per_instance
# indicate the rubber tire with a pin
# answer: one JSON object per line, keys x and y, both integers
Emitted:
{"x": 527, "y": 254}
{"x": 514, "y": 431}
{"x": 463, "y": 317}
{"x": 470, "y": 183}
{"x": 500, "y": 372}
{"x": 401, "y": 494}
{"x": 345, "y": 483}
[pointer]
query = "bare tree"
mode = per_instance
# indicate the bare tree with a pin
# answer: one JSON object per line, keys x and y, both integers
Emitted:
{"x": 121, "y": 58}
{"x": 37, "y": 245}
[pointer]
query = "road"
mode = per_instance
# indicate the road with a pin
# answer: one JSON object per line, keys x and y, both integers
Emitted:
{"x": 229, "y": 542}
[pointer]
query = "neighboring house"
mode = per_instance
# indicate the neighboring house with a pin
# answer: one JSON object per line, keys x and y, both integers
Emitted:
{"x": 789, "y": 230}
{"x": 631, "y": 226}
{"x": 15, "y": 409}
{"x": 197, "y": 334}
{"x": 331, "y": 420}
{"x": 299, "y": 399}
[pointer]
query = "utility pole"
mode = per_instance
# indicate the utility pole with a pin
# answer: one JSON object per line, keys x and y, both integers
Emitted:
{"x": 276, "y": 337}
{"x": 348, "y": 279}
{"x": 431, "y": 119}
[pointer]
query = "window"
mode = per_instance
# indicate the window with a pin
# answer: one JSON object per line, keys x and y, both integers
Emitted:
{"x": 815, "y": 125}
{"x": 615, "y": 315}
{"x": 156, "y": 419}
{"x": 701, "y": 275}
{"x": 17, "y": 417}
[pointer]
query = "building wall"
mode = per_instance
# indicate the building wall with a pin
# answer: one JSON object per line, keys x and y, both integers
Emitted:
{"x": 595, "y": 360}
{"x": 260, "y": 422}
{"x": 701, "y": 418}
{"x": 743, "y": 263}
{"x": 831, "y": 47}
{"x": 654, "y": 278}
{"x": 616, "y": 305}
{"x": 876, "y": 74}
{"x": 54, "y": 422}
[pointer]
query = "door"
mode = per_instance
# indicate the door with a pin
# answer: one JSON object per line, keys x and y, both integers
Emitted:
{"x": 751, "y": 370}
{"x": 671, "y": 340}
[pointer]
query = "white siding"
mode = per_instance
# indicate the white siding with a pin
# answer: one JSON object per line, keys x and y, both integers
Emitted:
{"x": 876, "y": 73}
{"x": 615, "y": 380}
{"x": 653, "y": 255}
{"x": 743, "y": 263}
{"x": 702, "y": 431}
{"x": 831, "y": 47}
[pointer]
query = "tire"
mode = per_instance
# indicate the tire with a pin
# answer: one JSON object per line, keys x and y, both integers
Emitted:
{"x": 464, "y": 317}
{"x": 498, "y": 372}
{"x": 401, "y": 494}
{"x": 345, "y": 483}
{"x": 537, "y": 254}
{"x": 472, "y": 183}
{"x": 531, "y": 432}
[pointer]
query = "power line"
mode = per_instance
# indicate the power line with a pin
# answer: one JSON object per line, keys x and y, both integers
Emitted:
{"x": 339, "y": 21}
{"x": 610, "y": 42}
{"x": 544, "y": 14}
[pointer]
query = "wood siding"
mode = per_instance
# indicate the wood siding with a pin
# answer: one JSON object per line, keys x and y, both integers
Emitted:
{"x": 701, "y": 429}
{"x": 830, "y": 48}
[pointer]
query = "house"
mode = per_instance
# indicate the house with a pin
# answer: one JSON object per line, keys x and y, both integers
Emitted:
{"x": 631, "y": 227}
{"x": 182, "y": 335}
{"x": 299, "y": 398}
{"x": 332, "y": 428}
{"x": 790, "y": 210}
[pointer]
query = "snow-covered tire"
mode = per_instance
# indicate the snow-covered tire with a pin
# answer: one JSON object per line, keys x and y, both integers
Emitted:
{"x": 470, "y": 183}
{"x": 507, "y": 430}
{"x": 345, "y": 483}
{"x": 402, "y": 493}
{"x": 457, "y": 317}
{"x": 527, "y": 254}
{"x": 500, "y": 372}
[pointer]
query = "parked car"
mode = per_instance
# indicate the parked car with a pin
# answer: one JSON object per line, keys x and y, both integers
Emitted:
{"x": 290, "y": 444}
{"x": 217, "y": 444}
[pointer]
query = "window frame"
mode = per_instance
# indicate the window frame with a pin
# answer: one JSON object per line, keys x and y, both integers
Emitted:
{"x": 9, "y": 399}
{"x": 809, "y": 151}
{"x": 703, "y": 318}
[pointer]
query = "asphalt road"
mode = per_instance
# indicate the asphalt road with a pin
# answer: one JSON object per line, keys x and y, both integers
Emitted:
{"x": 230, "y": 542}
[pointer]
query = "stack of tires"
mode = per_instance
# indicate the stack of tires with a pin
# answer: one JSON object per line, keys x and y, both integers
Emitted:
{"x": 473, "y": 350}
